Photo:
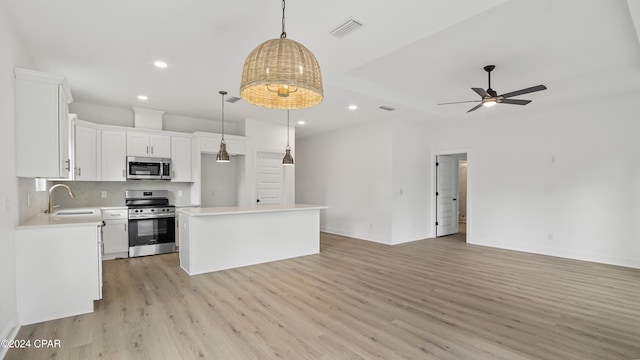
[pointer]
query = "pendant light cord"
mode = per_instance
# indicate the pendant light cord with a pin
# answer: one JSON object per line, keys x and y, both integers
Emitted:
{"x": 223, "y": 93}
{"x": 288, "y": 129}
{"x": 284, "y": 33}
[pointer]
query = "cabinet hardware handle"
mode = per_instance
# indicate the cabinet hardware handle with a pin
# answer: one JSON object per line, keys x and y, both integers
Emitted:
{"x": 68, "y": 162}
{"x": 125, "y": 227}
{"x": 147, "y": 149}
{"x": 122, "y": 172}
{"x": 79, "y": 171}
{"x": 173, "y": 173}
{"x": 151, "y": 150}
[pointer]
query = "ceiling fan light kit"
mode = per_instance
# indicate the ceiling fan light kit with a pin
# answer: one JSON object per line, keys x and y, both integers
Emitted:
{"x": 281, "y": 74}
{"x": 490, "y": 97}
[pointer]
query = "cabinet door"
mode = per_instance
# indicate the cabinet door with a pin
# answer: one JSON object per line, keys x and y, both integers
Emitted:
{"x": 181, "y": 158}
{"x": 160, "y": 146}
{"x": 41, "y": 130}
{"x": 115, "y": 237}
{"x": 85, "y": 153}
{"x": 138, "y": 144}
{"x": 113, "y": 155}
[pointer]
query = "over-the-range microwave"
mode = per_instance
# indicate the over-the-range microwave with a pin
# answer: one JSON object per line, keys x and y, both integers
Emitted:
{"x": 145, "y": 168}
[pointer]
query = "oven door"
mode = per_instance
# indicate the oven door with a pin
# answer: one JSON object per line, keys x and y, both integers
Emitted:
{"x": 152, "y": 236}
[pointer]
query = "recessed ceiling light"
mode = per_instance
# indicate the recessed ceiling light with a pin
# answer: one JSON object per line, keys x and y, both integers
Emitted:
{"x": 143, "y": 97}
{"x": 353, "y": 107}
{"x": 301, "y": 122}
{"x": 160, "y": 64}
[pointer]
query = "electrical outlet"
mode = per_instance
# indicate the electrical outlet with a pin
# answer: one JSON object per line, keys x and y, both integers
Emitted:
{"x": 179, "y": 192}
{"x": 104, "y": 194}
{"x": 550, "y": 236}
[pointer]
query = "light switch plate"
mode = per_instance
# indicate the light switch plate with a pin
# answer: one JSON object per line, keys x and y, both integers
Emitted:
{"x": 104, "y": 194}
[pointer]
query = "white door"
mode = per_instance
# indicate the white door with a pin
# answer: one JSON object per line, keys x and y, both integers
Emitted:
{"x": 269, "y": 179}
{"x": 446, "y": 195}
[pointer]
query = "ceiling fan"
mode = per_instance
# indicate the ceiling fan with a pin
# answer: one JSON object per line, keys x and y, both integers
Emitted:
{"x": 490, "y": 97}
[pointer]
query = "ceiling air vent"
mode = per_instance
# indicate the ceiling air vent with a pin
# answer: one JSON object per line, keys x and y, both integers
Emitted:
{"x": 233, "y": 99}
{"x": 388, "y": 108}
{"x": 346, "y": 28}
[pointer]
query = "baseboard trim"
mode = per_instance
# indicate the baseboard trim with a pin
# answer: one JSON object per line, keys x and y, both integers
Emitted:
{"x": 351, "y": 234}
{"x": 9, "y": 333}
{"x": 564, "y": 253}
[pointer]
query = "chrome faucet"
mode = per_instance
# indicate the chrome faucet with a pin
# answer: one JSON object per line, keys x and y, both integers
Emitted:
{"x": 50, "y": 211}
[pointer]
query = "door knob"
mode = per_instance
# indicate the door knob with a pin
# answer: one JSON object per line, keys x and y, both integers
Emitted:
{"x": 258, "y": 200}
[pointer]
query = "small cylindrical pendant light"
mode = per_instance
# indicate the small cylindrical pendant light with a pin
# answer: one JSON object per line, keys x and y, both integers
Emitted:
{"x": 288, "y": 159}
{"x": 223, "y": 155}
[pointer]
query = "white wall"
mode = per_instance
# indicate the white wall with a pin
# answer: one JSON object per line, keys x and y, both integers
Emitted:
{"x": 12, "y": 54}
{"x": 560, "y": 180}
{"x": 110, "y": 115}
{"x": 219, "y": 182}
{"x": 410, "y": 211}
{"x": 350, "y": 171}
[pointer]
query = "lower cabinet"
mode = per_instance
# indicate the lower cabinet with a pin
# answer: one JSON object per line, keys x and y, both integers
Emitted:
{"x": 115, "y": 234}
{"x": 58, "y": 271}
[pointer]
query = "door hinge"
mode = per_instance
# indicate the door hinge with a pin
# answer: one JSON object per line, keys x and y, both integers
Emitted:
{"x": 436, "y": 223}
{"x": 437, "y": 164}
{"x": 437, "y": 193}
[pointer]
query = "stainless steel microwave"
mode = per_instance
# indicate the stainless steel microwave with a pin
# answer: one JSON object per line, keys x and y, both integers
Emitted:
{"x": 144, "y": 168}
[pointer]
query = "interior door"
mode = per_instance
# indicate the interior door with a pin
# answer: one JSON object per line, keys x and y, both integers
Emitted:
{"x": 446, "y": 195}
{"x": 269, "y": 179}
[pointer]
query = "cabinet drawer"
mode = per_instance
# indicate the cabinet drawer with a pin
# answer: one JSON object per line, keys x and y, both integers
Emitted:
{"x": 114, "y": 214}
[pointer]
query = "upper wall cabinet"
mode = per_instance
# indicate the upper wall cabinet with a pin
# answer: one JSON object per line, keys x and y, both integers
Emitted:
{"x": 210, "y": 143}
{"x": 148, "y": 144}
{"x": 181, "y": 158}
{"x": 113, "y": 155}
{"x": 42, "y": 125}
{"x": 85, "y": 151}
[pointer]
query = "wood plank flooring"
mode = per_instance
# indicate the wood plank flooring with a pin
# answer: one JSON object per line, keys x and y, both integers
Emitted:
{"x": 430, "y": 299}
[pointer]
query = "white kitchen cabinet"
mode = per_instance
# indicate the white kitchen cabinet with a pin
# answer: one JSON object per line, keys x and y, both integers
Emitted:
{"x": 113, "y": 155}
{"x": 115, "y": 235}
{"x": 211, "y": 144}
{"x": 58, "y": 271}
{"x": 181, "y": 158}
{"x": 148, "y": 144}
{"x": 85, "y": 152}
{"x": 42, "y": 124}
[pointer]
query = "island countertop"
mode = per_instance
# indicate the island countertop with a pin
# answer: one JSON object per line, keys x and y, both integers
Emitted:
{"x": 234, "y": 210}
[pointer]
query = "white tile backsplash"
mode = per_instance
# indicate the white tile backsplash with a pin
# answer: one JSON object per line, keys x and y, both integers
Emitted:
{"x": 89, "y": 193}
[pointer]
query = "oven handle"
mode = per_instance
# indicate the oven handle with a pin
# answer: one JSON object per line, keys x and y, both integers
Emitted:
{"x": 152, "y": 217}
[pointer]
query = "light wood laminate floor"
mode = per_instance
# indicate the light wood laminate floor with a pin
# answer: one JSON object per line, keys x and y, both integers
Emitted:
{"x": 431, "y": 299}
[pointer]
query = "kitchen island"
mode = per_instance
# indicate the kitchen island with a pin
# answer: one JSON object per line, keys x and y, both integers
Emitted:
{"x": 213, "y": 239}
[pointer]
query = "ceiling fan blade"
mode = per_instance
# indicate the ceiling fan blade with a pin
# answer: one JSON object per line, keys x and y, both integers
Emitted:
{"x": 514, "y": 101}
{"x": 460, "y": 102}
{"x": 475, "y": 108}
{"x": 482, "y": 92}
{"x": 524, "y": 91}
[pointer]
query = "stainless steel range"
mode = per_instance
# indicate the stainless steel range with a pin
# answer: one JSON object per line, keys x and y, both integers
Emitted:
{"x": 151, "y": 222}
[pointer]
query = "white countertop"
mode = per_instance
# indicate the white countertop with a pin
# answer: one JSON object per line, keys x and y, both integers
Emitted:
{"x": 231, "y": 210}
{"x": 49, "y": 220}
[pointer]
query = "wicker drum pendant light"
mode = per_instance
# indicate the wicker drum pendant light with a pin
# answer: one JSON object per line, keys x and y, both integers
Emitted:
{"x": 223, "y": 155}
{"x": 288, "y": 159}
{"x": 281, "y": 74}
